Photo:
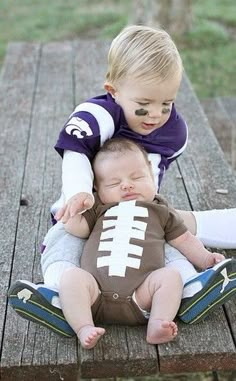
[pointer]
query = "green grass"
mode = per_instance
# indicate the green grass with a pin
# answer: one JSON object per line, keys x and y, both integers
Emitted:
{"x": 43, "y": 20}
{"x": 224, "y": 10}
{"x": 208, "y": 51}
{"x": 212, "y": 74}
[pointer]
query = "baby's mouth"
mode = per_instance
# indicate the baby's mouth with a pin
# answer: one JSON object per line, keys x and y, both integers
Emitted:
{"x": 130, "y": 196}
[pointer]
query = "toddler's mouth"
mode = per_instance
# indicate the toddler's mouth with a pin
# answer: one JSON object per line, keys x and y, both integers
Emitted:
{"x": 149, "y": 126}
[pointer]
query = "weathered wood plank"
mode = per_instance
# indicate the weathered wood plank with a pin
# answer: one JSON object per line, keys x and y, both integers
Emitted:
{"x": 200, "y": 347}
{"x": 18, "y": 77}
{"x": 25, "y": 344}
{"x": 203, "y": 165}
{"x": 222, "y": 125}
{"x": 230, "y": 107}
{"x": 122, "y": 352}
{"x": 38, "y": 373}
{"x": 89, "y": 83}
{"x": 230, "y": 309}
{"x": 201, "y": 179}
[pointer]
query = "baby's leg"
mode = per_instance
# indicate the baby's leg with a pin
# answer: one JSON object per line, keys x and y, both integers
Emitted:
{"x": 215, "y": 228}
{"x": 161, "y": 331}
{"x": 78, "y": 291}
{"x": 89, "y": 336}
{"x": 161, "y": 292}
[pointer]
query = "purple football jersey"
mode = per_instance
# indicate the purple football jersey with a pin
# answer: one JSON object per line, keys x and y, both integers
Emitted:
{"x": 100, "y": 118}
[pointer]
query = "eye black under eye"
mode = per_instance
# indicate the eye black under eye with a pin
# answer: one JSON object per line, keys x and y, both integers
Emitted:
{"x": 141, "y": 112}
{"x": 166, "y": 110}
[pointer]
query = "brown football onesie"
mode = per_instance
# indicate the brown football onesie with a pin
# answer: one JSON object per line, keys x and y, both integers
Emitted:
{"x": 125, "y": 245}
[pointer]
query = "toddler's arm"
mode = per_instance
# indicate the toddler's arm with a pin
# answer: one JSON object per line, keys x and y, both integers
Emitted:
{"x": 195, "y": 252}
{"x": 77, "y": 184}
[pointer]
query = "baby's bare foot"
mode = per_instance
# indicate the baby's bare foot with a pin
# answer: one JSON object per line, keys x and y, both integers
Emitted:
{"x": 89, "y": 335}
{"x": 161, "y": 331}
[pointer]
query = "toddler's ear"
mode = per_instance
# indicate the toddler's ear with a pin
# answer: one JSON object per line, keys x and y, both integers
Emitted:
{"x": 110, "y": 89}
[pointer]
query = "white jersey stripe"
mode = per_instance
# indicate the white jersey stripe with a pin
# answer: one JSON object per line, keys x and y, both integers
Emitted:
{"x": 103, "y": 117}
{"x": 183, "y": 147}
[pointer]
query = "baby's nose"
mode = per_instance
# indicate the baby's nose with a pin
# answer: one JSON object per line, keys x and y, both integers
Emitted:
{"x": 127, "y": 186}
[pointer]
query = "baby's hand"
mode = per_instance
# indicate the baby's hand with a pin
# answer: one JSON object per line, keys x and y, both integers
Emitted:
{"x": 214, "y": 258}
{"x": 79, "y": 203}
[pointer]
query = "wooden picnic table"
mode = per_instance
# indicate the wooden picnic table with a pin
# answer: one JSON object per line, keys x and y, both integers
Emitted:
{"x": 39, "y": 87}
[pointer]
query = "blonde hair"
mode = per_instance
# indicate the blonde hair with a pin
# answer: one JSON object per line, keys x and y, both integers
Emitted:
{"x": 141, "y": 51}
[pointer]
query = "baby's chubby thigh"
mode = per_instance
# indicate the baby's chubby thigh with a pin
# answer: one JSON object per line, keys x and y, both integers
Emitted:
{"x": 158, "y": 282}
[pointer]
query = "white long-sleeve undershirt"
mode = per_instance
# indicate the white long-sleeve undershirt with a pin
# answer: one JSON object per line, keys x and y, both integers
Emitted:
{"x": 76, "y": 166}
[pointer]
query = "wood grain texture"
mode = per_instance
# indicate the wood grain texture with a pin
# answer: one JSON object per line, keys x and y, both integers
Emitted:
{"x": 122, "y": 352}
{"x": 26, "y": 344}
{"x": 40, "y": 85}
{"x": 222, "y": 124}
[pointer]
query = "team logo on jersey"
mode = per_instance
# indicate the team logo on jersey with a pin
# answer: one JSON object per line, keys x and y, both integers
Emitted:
{"x": 120, "y": 227}
{"x": 78, "y": 127}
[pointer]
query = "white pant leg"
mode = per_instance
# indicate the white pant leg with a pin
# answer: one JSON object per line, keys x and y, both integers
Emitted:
{"x": 173, "y": 258}
{"x": 217, "y": 228}
{"x": 60, "y": 246}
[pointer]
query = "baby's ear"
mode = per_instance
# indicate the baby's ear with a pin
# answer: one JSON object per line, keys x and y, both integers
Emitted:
{"x": 110, "y": 89}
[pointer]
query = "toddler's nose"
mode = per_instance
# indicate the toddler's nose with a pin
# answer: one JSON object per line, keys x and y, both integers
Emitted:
{"x": 156, "y": 114}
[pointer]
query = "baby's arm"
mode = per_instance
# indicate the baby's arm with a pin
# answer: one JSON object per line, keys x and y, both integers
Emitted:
{"x": 77, "y": 226}
{"x": 192, "y": 248}
{"x": 78, "y": 203}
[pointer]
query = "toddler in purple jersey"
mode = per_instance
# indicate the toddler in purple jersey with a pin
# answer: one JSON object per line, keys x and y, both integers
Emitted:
{"x": 142, "y": 81}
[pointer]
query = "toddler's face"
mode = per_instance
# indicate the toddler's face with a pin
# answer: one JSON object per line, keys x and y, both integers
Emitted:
{"x": 123, "y": 177}
{"x": 147, "y": 106}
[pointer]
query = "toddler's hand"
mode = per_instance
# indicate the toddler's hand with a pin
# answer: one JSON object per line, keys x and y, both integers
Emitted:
{"x": 79, "y": 203}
